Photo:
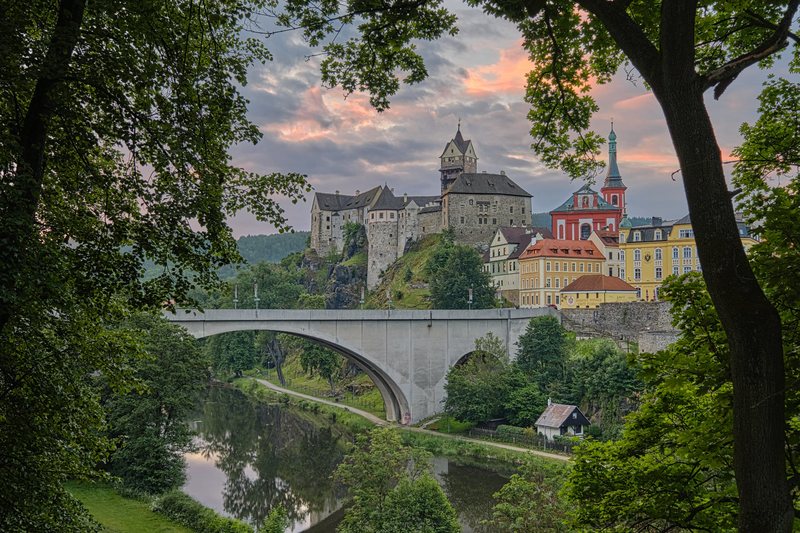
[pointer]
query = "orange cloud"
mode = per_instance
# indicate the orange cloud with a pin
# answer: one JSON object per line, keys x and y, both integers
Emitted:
{"x": 507, "y": 75}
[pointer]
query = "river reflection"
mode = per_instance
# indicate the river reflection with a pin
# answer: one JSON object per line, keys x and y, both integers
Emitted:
{"x": 252, "y": 457}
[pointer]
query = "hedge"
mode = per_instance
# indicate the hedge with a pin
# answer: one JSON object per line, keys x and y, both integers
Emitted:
{"x": 187, "y": 512}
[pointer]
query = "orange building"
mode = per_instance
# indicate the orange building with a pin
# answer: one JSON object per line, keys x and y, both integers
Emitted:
{"x": 549, "y": 265}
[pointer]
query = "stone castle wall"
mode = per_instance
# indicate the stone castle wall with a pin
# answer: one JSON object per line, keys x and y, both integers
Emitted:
{"x": 476, "y": 217}
{"x": 647, "y": 323}
{"x": 382, "y": 250}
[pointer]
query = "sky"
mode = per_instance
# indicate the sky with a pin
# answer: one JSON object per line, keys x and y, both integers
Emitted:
{"x": 478, "y": 76}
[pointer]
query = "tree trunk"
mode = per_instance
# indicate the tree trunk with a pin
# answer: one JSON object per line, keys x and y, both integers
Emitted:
{"x": 21, "y": 199}
{"x": 278, "y": 356}
{"x": 750, "y": 321}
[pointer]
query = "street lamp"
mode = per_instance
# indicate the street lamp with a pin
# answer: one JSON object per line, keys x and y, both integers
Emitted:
{"x": 469, "y": 300}
{"x": 256, "y": 299}
{"x": 362, "y": 298}
{"x": 236, "y": 296}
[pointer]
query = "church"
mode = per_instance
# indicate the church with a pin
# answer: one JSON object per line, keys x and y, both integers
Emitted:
{"x": 587, "y": 210}
{"x": 474, "y": 204}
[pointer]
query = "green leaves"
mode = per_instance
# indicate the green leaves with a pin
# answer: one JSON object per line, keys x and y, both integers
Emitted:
{"x": 452, "y": 271}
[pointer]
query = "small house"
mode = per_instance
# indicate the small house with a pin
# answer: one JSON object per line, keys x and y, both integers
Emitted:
{"x": 560, "y": 419}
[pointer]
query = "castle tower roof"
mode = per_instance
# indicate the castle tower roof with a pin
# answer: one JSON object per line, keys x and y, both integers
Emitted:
{"x": 613, "y": 177}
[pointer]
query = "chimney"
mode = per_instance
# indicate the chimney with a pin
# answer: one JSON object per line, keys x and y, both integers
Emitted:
{"x": 337, "y": 193}
{"x": 502, "y": 172}
{"x": 358, "y": 192}
{"x": 657, "y": 221}
{"x": 549, "y": 401}
{"x": 405, "y": 197}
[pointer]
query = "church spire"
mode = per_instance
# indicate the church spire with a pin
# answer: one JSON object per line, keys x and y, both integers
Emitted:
{"x": 613, "y": 177}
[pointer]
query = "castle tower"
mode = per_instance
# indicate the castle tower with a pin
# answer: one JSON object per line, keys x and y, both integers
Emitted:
{"x": 458, "y": 158}
{"x": 613, "y": 190}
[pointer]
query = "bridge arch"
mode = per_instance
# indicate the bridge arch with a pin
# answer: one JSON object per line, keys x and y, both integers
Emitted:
{"x": 394, "y": 400}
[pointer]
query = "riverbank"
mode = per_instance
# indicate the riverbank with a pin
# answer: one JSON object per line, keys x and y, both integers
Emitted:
{"x": 118, "y": 514}
{"x": 467, "y": 444}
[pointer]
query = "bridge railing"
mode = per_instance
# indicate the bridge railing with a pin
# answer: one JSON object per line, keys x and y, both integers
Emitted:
{"x": 538, "y": 442}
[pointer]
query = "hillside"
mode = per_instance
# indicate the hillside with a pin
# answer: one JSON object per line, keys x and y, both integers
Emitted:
{"x": 405, "y": 279}
{"x": 254, "y": 249}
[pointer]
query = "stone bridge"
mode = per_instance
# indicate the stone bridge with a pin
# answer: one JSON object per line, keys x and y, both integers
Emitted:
{"x": 406, "y": 353}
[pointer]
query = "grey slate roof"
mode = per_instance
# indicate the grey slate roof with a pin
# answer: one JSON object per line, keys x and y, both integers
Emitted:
{"x": 602, "y": 205}
{"x": 557, "y": 414}
{"x": 337, "y": 202}
{"x": 431, "y": 209}
{"x": 387, "y": 200}
{"x": 485, "y": 184}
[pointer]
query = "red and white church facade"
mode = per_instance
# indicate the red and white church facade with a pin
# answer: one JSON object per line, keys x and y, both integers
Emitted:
{"x": 587, "y": 210}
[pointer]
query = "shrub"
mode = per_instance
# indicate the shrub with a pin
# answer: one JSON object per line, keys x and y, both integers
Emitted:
{"x": 507, "y": 431}
{"x": 187, "y": 512}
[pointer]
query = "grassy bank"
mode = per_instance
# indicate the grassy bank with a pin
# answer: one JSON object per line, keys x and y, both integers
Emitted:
{"x": 118, "y": 514}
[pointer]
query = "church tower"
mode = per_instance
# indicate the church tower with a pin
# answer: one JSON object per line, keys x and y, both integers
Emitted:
{"x": 613, "y": 190}
{"x": 458, "y": 158}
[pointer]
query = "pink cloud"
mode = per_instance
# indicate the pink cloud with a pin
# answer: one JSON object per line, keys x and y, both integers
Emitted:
{"x": 507, "y": 75}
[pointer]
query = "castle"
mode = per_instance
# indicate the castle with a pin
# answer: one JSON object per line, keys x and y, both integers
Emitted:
{"x": 473, "y": 204}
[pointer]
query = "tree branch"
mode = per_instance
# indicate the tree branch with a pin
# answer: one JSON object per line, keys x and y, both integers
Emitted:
{"x": 721, "y": 77}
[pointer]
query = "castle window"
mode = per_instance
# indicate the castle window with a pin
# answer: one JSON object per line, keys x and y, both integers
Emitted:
{"x": 391, "y": 215}
{"x": 512, "y": 209}
{"x": 372, "y": 216}
{"x": 380, "y": 215}
{"x": 511, "y": 222}
{"x": 494, "y": 222}
{"x": 523, "y": 210}
{"x": 470, "y": 201}
{"x": 462, "y": 220}
{"x": 327, "y": 219}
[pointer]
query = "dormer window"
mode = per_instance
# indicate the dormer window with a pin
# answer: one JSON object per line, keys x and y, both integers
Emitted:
{"x": 637, "y": 236}
{"x": 658, "y": 235}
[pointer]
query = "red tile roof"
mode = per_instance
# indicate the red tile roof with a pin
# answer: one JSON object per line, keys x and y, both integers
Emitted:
{"x": 598, "y": 283}
{"x": 608, "y": 237}
{"x": 562, "y": 249}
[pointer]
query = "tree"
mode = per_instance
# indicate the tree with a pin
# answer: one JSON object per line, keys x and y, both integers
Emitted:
{"x": 115, "y": 123}
{"x": 681, "y": 49}
{"x": 391, "y": 488}
{"x": 316, "y": 359}
{"x": 542, "y": 351}
{"x": 529, "y": 502}
{"x": 453, "y": 270}
{"x": 232, "y": 352}
{"x": 478, "y": 388}
{"x": 673, "y": 467}
{"x": 149, "y": 425}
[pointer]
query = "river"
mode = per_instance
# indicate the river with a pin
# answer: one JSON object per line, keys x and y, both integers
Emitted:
{"x": 252, "y": 457}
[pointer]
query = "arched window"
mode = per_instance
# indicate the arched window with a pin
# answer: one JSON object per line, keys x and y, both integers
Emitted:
{"x": 586, "y": 230}
{"x": 614, "y": 200}
{"x": 637, "y": 255}
{"x": 658, "y": 254}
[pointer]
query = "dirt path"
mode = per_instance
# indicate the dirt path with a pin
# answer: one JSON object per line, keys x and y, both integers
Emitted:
{"x": 378, "y": 421}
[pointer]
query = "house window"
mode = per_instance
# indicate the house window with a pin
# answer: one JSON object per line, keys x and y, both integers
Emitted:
{"x": 637, "y": 255}
{"x": 586, "y": 230}
{"x": 686, "y": 234}
{"x": 558, "y": 283}
{"x": 558, "y": 266}
{"x": 581, "y": 267}
{"x": 547, "y": 266}
{"x": 614, "y": 199}
{"x": 687, "y": 252}
{"x": 549, "y": 299}
{"x": 658, "y": 273}
{"x": 637, "y": 236}
{"x": 675, "y": 252}
{"x": 564, "y": 266}
{"x": 675, "y": 270}
{"x": 622, "y": 273}
{"x": 658, "y": 254}
{"x": 622, "y": 238}
{"x": 637, "y": 274}
{"x": 657, "y": 235}
{"x": 547, "y": 283}
{"x": 687, "y": 269}
{"x": 573, "y": 266}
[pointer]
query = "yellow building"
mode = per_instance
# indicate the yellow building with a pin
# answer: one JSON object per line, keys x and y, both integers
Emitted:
{"x": 651, "y": 253}
{"x": 548, "y": 265}
{"x": 588, "y": 292}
